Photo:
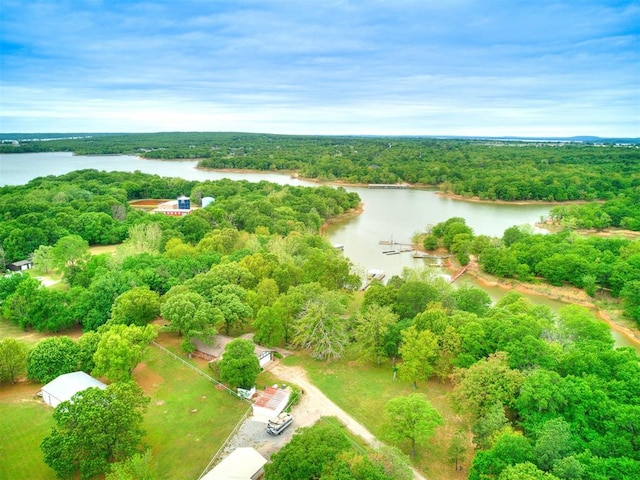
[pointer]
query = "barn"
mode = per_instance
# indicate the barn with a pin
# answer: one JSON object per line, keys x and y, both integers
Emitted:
{"x": 66, "y": 386}
{"x": 244, "y": 463}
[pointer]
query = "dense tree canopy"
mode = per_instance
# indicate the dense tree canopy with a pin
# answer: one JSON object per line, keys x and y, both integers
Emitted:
{"x": 95, "y": 428}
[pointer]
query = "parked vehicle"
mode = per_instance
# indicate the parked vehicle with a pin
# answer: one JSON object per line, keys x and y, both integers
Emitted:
{"x": 280, "y": 424}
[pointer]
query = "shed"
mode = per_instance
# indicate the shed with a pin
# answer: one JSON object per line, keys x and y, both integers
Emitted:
{"x": 244, "y": 463}
{"x": 66, "y": 386}
{"x": 271, "y": 403}
{"x": 20, "y": 265}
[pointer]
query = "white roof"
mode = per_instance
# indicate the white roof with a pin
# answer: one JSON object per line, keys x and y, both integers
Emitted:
{"x": 241, "y": 464}
{"x": 66, "y": 386}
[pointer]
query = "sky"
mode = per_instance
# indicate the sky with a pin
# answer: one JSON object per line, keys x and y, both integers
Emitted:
{"x": 377, "y": 67}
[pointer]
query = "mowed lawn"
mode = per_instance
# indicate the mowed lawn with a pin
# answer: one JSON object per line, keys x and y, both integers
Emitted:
{"x": 362, "y": 389}
{"x": 24, "y": 422}
{"x": 187, "y": 421}
{"x": 188, "y": 418}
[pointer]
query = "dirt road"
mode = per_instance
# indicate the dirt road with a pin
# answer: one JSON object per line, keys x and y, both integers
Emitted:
{"x": 315, "y": 404}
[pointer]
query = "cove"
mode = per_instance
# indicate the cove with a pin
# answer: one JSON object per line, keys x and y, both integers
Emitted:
{"x": 387, "y": 214}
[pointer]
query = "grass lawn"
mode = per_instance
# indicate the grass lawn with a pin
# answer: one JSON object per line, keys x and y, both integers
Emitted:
{"x": 24, "y": 422}
{"x": 188, "y": 418}
{"x": 362, "y": 390}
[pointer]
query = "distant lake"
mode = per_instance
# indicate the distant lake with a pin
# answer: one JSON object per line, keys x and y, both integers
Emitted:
{"x": 388, "y": 214}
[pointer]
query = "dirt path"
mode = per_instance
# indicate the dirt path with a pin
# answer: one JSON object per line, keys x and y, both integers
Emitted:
{"x": 315, "y": 404}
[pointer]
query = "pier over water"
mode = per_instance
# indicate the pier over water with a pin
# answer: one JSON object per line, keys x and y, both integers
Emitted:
{"x": 397, "y": 186}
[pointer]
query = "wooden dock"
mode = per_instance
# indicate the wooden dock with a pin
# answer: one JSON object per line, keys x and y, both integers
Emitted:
{"x": 459, "y": 274}
{"x": 395, "y": 186}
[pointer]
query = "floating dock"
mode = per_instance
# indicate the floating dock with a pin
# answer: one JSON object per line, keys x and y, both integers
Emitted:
{"x": 394, "y": 186}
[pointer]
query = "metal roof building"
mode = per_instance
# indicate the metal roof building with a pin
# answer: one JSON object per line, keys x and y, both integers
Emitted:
{"x": 244, "y": 463}
{"x": 66, "y": 386}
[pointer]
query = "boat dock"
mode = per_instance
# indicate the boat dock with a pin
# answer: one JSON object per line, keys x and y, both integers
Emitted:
{"x": 395, "y": 186}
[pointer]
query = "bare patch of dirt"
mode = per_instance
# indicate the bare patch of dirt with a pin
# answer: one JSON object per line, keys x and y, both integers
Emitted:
{"x": 147, "y": 378}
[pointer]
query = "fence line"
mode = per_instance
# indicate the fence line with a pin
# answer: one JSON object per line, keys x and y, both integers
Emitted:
{"x": 200, "y": 372}
{"x": 233, "y": 432}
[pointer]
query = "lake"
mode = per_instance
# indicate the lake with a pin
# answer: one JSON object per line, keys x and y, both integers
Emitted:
{"x": 388, "y": 214}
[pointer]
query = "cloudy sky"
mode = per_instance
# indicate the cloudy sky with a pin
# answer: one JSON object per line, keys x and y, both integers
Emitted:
{"x": 421, "y": 67}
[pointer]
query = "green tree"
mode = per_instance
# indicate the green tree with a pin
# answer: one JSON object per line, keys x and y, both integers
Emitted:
{"x": 239, "y": 366}
{"x": 43, "y": 258}
{"x": 525, "y": 471}
{"x": 140, "y": 466}
{"x": 87, "y": 346}
{"x": 120, "y": 349}
{"x": 372, "y": 327}
{"x": 138, "y": 306}
{"x": 320, "y": 327}
{"x": 13, "y": 359}
{"x": 486, "y": 383}
{"x": 458, "y": 447}
{"x": 190, "y": 315}
{"x": 411, "y": 418}
{"x": 93, "y": 429}
{"x": 554, "y": 441}
{"x": 269, "y": 328}
{"x": 307, "y": 454}
{"x": 509, "y": 448}
{"x": 231, "y": 301}
{"x": 70, "y": 253}
{"x": 418, "y": 351}
{"x": 51, "y": 358}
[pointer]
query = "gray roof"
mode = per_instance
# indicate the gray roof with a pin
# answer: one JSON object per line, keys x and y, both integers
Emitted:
{"x": 241, "y": 464}
{"x": 66, "y": 386}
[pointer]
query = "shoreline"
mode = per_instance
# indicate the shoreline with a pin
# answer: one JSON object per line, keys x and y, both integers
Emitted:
{"x": 566, "y": 295}
{"x": 424, "y": 186}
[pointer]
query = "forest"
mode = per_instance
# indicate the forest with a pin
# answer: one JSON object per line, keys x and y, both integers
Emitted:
{"x": 542, "y": 395}
{"x": 487, "y": 169}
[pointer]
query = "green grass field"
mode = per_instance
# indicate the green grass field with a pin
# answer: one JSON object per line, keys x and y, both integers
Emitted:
{"x": 24, "y": 422}
{"x": 362, "y": 389}
{"x": 187, "y": 421}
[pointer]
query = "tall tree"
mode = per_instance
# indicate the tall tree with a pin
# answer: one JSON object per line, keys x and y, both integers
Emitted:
{"x": 372, "y": 327}
{"x": 120, "y": 349}
{"x": 307, "y": 454}
{"x": 418, "y": 351}
{"x": 320, "y": 327}
{"x": 52, "y": 357}
{"x": 411, "y": 418}
{"x": 13, "y": 359}
{"x": 239, "y": 366}
{"x": 95, "y": 428}
{"x": 486, "y": 383}
{"x": 137, "y": 306}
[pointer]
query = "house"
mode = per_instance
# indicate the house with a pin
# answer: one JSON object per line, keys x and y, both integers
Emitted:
{"x": 271, "y": 403}
{"x": 179, "y": 207}
{"x": 213, "y": 349}
{"x": 66, "y": 386}
{"x": 244, "y": 463}
{"x": 20, "y": 265}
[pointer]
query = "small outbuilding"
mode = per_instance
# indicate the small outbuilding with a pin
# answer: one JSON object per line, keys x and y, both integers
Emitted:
{"x": 20, "y": 266}
{"x": 66, "y": 386}
{"x": 244, "y": 463}
{"x": 271, "y": 403}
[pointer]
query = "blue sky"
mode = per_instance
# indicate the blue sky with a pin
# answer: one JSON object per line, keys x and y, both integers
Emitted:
{"x": 397, "y": 67}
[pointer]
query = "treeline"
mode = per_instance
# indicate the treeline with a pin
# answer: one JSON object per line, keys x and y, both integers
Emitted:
{"x": 94, "y": 205}
{"x": 490, "y": 170}
{"x": 590, "y": 263}
{"x": 620, "y": 212}
{"x": 546, "y": 395}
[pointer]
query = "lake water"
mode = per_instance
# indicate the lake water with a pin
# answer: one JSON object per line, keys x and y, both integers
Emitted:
{"x": 388, "y": 214}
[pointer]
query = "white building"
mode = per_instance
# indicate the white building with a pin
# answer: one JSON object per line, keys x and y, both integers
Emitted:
{"x": 66, "y": 386}
{"x": 244, "y": 463}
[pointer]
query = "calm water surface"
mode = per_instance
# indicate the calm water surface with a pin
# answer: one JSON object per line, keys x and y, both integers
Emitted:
{"x": 388, "y": 214}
